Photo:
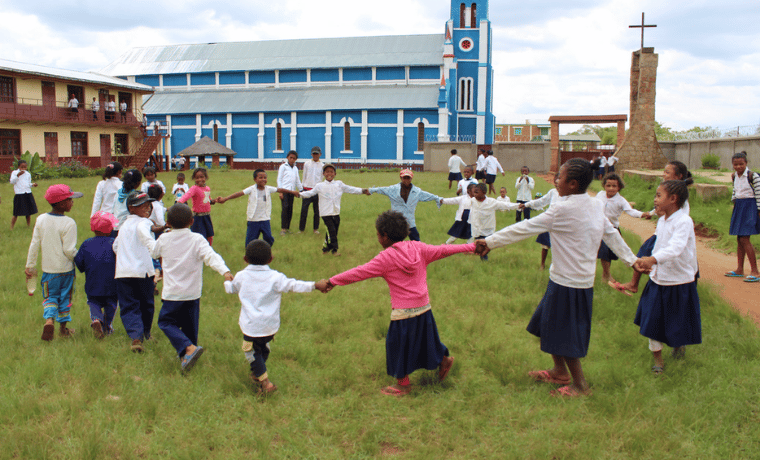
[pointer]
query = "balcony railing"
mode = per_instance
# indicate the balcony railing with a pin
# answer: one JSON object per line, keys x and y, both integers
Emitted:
{"x": 33, "y": 110}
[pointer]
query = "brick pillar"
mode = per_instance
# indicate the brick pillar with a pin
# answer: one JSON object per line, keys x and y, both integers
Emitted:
{"x": 554, "y": 133}
{"x": 620, "y": 134}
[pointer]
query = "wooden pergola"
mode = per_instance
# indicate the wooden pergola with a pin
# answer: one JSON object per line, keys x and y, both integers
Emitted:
{"x": 205, "y": 147}
{"x": 556, "y": 120}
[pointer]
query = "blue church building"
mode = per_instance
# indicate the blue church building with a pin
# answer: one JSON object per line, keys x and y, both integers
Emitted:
{"x": 361, "y": 99}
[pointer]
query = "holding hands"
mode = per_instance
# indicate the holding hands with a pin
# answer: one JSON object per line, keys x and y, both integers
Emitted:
{"x": 644, "y": 264}
{"x": 481, "y": 247}
{"x": 324, "y": 286}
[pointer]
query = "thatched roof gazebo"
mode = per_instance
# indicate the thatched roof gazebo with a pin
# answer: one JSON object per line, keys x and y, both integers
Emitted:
{"x": 208, "y": 147}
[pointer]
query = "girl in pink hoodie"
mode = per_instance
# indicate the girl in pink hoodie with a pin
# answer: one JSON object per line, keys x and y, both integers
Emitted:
{"x": 412, "y": 342}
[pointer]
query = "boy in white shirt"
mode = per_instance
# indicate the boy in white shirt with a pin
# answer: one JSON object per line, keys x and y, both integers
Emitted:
{"x": 183, "y": 254}
{"x": 468, "y": 179}
{"x": 260, "y": 291}
{"x": 180, "y": 188}
{"x": 455, "y": 162}
{"x": 483, "y": 213}
{"x": 312, "y": 175}
{"x": 503, "y": 196}
{"x": 330, "y": 192}
{"x": 55, "y": 236}
{"x": 524, "y": 186}
{"x": 288, "y": 178}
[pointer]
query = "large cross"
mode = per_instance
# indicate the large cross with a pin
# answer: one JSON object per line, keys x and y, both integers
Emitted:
{"x": 642, "y": 26}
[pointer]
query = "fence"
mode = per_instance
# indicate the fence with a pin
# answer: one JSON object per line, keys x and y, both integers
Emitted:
{"x": 714, "y": 133}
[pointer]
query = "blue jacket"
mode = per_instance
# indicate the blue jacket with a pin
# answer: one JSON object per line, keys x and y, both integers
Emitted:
{"x": 407, "y": 207}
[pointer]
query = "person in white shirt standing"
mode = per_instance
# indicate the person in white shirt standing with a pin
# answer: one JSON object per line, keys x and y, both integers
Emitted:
{"x": 492, "y": 167}
{"x": 95, "y": 108}
{"x": 288, "y": 178}
{"x": 23, "y": 200}
{"x": 312, "y": 175}
{"x": 455, "y": 165}
{"x": 524, "y": 186}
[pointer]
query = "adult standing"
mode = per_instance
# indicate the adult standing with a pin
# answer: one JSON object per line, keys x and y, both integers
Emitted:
{"x": 123, "y": 111}
{"x": 74, "y": 104}
{"x": 288, "y": 178}
{"x": 312, "y": 175}
{"x": 95, "y": 108}
{"x": 111, "y": 110}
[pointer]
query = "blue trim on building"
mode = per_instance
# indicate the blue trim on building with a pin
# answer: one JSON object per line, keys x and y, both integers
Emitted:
{"x": 203, "y": 78}
{"x": 231, "y": 78}
{"x": 266, "y": 76}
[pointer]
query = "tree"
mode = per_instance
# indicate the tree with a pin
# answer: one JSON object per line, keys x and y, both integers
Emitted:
{"x": 607, "y": 134}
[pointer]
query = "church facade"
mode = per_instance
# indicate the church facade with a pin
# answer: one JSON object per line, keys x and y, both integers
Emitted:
{"x": 361, "y": 99}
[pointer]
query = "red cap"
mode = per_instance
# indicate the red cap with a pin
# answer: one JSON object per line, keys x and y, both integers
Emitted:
{"x": 406, "y": 172}
{"x": 59, "y": 192}
{"x": 103, "y": 222}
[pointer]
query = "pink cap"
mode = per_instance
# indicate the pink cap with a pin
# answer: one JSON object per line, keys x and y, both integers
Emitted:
{"x": 406, "y": 172}
{"x": 103, "y": 222}
{"x": 59, "y": 192}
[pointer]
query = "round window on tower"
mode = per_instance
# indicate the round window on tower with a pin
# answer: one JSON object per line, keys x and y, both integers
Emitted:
{"x": 466, "y": 44}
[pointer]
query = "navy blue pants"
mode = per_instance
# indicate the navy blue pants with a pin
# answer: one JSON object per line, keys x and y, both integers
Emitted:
{"x": 136, "y": 305}
{"x": 305, "y": 202}
{"x": 287, "y": 211}
{"x": 525, "y": 211}
{"x": 179, "y": 321}
{"x": 103, "y": 309}
{"x": 261, "y": 227}
{"x": 259, "y": 348}
{"x": 414, "y": 235}
{"x": 331, "y": 239}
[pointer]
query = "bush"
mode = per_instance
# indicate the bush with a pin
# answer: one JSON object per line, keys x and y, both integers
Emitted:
{"x": 69, "y": 169}
{"x": 711, "y": 161}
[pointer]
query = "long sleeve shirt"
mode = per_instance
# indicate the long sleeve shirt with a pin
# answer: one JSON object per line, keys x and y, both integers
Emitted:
{"x": 133, "y": 246}
{"x": 288, "y": 178}
{"x": 21, "y": 184}
{"x": 675, "y": 250}
{"x": 462, "y": 201}
{"x": 312, "y": 173}
{"x": 577, "y": 226}
{"x": 408, "y": 207}
{"x": 105, "y": 195}
{"x": 455, "y": 163}
{"x": 97, "y": 261}
{"x": 146, "y": 185}
{"x": 493, "y": 166}
{"x": 524, "y": 186}
{"x": 483, "y": 215}
{"x": 183, "y": 254}
{"x": 546, "y": 200}
{"x": 462, "y": 185}
{"x": 480, "y": 163}
{"x": 329, "y": 195}
{"x": 615, "y": 206}
{"x": 56, "y": 237}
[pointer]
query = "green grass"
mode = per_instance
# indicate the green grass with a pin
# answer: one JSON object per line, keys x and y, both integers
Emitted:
{"x": 85, "y": 398}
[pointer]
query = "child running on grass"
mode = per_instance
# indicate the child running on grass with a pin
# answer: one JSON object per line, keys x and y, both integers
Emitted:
{"x": 23, "y": 199}
{"x": 200, "y": 193}
{"x": 669, "y": 309}
{"x": 461, "y": 227}
{"x": 183, "y": 254}
{"x": 260, "y": 291}
{"x": 745, "y": 218}
{"x": 55, "y": 236}
{"x": 562, "y": 319}
{"x": 412, "y": 342}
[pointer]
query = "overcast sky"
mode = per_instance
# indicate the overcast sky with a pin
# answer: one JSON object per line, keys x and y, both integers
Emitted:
{"x": 550, "y": 57}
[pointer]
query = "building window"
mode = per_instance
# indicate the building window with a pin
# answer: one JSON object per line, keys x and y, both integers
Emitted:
{"x": 7, "y": 90}
{"x": 347, "y": 136}
{"x": 121, "y": 142}
{"x": 462, "y": 14}
{"x": 544, "y": 131}
{"x": 518, "y": 131}
{"x": 473, "y": 20}
{"x": 420, "y": 136}
{"x": 498, "y": 131}
{"x": 10, "y": 142}
{"x": 279, "y": 137}
{"x": 465, "y": 94}
{"x": 78, "y": 92}
{"x": 78, "y": 144}
{"x": 216, "y": 133}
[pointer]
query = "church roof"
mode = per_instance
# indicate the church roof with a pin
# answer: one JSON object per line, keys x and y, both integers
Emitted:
{"x": 396, "y": 50}
{"x": 315, "y": 98}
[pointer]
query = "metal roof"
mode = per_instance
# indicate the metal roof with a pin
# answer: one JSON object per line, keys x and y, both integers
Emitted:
{"x": 318, "y": 53}
{"x": 319, "y": 98}
{"x": 72, "y": 75}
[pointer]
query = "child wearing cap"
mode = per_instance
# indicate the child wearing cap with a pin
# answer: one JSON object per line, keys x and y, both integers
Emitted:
{"x": 97, "y": 261}
{"x": 404, "y": 197}
{"x": 55, "y": 235}
{"x": 134, "y": 270}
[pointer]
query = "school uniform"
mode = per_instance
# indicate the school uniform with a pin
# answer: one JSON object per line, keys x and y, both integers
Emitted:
{"x": 105, "y": 195}
{"x": 480, "y": 167}
{"x": 23, "y": 199}
{"x": 539, "y": 203}
{"x": 647, "y": 246}
{"x": 259, "y": 213}
{"x": 178, "y": 190}
{"x": 492, "y": 167}
{"x": 669, "y": 309}
{"x": 613, "y": 207}
{"x": 483, "y": 215}
{"x": 97, "y": 261}
{"x": 288, "y": 178}
{"x": 330, "y": 193}
{"x": 146, "y": 185}
{"x": 746, "y": 198}
{"x": 464, "y": 183}
{"x": 524, "y": 188}
{"x": 461, "y": 227}
{"x": 455, "y": 163}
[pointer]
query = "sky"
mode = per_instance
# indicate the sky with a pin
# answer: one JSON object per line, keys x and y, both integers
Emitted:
{"x": 550, "y": 57}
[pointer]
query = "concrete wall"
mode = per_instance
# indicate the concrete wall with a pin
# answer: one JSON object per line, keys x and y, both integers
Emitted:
{"x": 437, "y": 154}
{"x": 511, "y": 155}
{"x": 691, "y": 152}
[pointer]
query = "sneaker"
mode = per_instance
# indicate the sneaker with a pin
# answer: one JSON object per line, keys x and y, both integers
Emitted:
{"x": 97, "y": 329}
{"x": 136, "y": 346}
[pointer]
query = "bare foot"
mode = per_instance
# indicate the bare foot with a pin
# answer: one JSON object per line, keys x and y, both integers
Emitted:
{"x": 630, "y": 287}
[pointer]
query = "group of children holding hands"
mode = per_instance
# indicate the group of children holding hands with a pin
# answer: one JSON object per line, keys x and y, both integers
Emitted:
{"x": 119, "y": 264}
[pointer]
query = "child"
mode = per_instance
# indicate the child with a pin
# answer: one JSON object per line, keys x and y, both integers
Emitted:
{"x": 468, "y": 179}
{"x": 404, "y": 197}
{"x": 180, "y": 188}
{"x": 55, "y": 236}
{"x": 260, "y": 291}
{"x": 745, "y": 218}
{"x": 200, "y": 193}
{"x": 503, "y": 196}
{"x": 183, "y": 254}
{"x": 539, "y": 203}
{"x": 461, "y": 227}
{"x": 312, "y": 175}
{"x": 483, "y": 213}
{"x": 158, "y": 225}
{"x": 455, "y": 162}
{"x": 412, "y": 341}
{"x": 97, "y": 261}
{"x": 330, "y": 192}
{"x": 259, "y": 210}
{"x": 107, "y": 189}
{"x": 562, "y": 319}
{"x": 492, "y": 167}
{"x": 480, "y": 166}
{"x": 131, "y": 182}
{"x": 149, "y": 172}
{"x": 134, "y": 270}
{"x": 288, "y": 178}
{"x": 23, "y": 200}
{"x": 669, "y": 310}
{"x": 614, "y": 205}
{"x": 524, "y": 186}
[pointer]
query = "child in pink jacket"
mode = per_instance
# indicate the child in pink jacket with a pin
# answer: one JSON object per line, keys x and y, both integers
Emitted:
{"x": 412, "y": 342}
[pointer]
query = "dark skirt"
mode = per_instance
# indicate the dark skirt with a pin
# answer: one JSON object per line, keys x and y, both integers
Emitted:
{"x": 744, "y": 219}
{"x": 562, "y": 321}
{"x": 647, "y": 247}
{"x": 413, "y": 344}
{"x": 480, "y": 175}
{"x": 605, "y": 253}
{"x": 670, "y": 314}
{"x": 461, "y": 228}
{"x": 455, "y": 176}
{"x": 24, "y": 205}
{"x": 203, "y": 225}
{"x": 544, "y": 239}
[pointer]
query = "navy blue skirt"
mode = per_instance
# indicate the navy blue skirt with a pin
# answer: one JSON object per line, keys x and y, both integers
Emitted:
{"x": 744, "y": 219}
{"x": 670, "y": 314}
{"x": 563, "y": 321}
{"x": 455, "y": 176}
{"x": 647, "y": 247}
{"x": 605, "y": 253}
{"x": 24, "y": 205}
{"x": 461, "y": 228}
{"x": 544, "y": 239}
{"x": 413, "y": 344}
{"x": 203, "y": 225}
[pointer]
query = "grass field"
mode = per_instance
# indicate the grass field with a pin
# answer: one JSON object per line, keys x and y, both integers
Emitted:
{"x": 84, "y": 398}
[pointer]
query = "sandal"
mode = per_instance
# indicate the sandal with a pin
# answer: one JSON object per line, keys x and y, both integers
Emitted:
{"x": 445, "y": 367}
{"x": 396, "y": 390}
{"x": 546, "y": 377}
{"x": 733, "y": 274}
{"x": 657, "y": 370}
{"x": 569, "y": 391}
{"x": 188, "y": 361}
{"x": 616, "y": 285}
{"x": 751, "y": 279}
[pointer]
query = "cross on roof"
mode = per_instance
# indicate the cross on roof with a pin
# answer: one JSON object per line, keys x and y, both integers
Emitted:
{"x": 642, "y": 26}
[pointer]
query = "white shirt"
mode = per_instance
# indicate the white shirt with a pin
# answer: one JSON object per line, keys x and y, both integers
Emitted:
{"x": 463, "y": 201}
{"x": 602, "y": 161}
{"x": 612, "y": 160}
{"x": 123, "y": 106}
{"x": 183, "y": 254}
{"x": 462, "y": 185}
{"x": 260, "y": 291}
{"x": 480, "y": 164}
{"x": 550, "y": 197}
{"x": 157, "y": 214}
{"x": 493, "y": 166}
{"x": 329, "y": 196}
{"x": 741, "y": 186}
{"x": 95, "y": 106}
{"x": 145, "y": 185}
{"x": 133, "y": 247}
{"x": 455, "y": 162}
{"x": 259, "y": 203}
{"x": 288, "y": 178}
{"x": 524, "y": 188}
{"x": 675, "y": 250}
{"x": 21, "y": 184}
{"x": 180, "y": 189}
{"x": 105, "y": 195}
{"x": 312, "y": 173}
{"x": 577, "y": 226}
{"x": 56, "y": 237}
{"x": 503, "y": 200}
{"x": 615, "y": 206}
{"x": 73, "y": 103}
{"x": 483, "y": 215}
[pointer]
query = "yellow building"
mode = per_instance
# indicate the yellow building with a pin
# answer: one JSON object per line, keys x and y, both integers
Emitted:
{"x": 50, "y": 111}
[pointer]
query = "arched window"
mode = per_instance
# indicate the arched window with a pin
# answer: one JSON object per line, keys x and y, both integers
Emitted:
{"x": 464, "y": 99}
{"x": 216, "y": 133}
{"x": 462, "y": 10}
{"x": 473, "y": 20}
{"x": 420, "y": 136}
{"x": 279, "y": 136}
{"x": 346, "y": 136}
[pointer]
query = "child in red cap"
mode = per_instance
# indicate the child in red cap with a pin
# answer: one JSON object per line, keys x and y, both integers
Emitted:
{"x": 55, "y": 235}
